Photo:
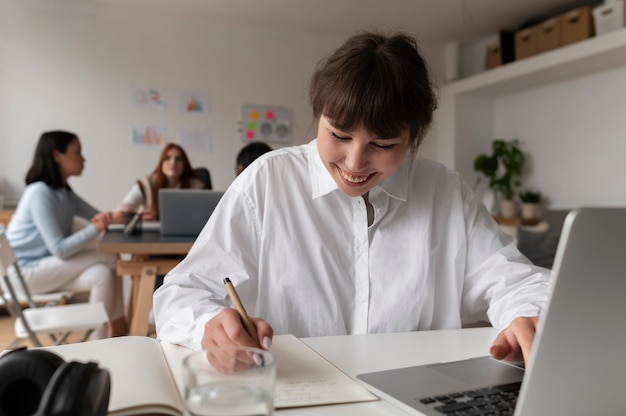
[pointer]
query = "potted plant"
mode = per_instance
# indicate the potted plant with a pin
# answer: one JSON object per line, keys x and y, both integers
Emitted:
{"x": 503, "y": 167}
{"x": 531, "y": 209}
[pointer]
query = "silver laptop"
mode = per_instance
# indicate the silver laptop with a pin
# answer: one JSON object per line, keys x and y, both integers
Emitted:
{"x": 183, "y": 212}
{"x": 577, "y": 365}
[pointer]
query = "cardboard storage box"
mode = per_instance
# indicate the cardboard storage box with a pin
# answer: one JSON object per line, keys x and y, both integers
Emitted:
{"x": 608, "y": 17}
{"x": 525, "y": 42}
{"x": 494, "y": 56}
{"x": 576, "y": 25}
{"x": 548, "y": 35}
{"x": 501, "y": 52}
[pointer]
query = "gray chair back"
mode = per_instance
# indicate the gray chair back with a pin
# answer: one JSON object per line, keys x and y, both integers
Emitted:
{"x": 205, "y": 176}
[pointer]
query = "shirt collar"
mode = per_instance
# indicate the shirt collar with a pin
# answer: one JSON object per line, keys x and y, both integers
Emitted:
{"x": 322, "y": 182}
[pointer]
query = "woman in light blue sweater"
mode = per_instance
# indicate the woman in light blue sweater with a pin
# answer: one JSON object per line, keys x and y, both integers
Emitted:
{"x": 51, "y": 255}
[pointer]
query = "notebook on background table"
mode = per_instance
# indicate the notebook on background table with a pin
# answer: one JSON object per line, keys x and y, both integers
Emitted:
{"x": 577, "y": 365}
{"x": 186, "y": 211}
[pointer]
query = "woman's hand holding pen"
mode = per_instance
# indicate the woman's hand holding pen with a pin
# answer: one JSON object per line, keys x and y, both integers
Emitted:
{"x": 233, "y": 327}
{"x": 227, "y": 329}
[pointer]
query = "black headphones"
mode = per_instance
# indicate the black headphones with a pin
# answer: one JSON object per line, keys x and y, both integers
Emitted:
{"x": 40, "y": 383}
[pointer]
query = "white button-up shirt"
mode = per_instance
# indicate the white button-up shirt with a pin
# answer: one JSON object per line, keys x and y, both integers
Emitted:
{"x": 303, "y": 258}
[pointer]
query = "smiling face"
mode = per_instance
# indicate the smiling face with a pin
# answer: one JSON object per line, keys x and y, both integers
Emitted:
{"x": 72, "y": 162}
{"x": 358, "y": 160}
{"x": 173, "y": 166}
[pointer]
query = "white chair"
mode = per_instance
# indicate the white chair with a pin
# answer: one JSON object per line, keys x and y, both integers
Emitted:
{"x": 56, "y": 321}
{"x": 43, "y": 299}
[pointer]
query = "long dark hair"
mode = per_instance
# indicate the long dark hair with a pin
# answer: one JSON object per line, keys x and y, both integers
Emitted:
{"x": 378, "y": 81}
{"x": 44, "y": 168}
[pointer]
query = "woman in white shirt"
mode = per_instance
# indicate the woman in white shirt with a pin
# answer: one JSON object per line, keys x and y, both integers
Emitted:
{"x": 351, "y": 234}
{"x": 173, "y": 170}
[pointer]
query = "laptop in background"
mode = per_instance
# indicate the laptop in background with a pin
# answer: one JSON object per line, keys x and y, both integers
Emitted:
{"x": 577, "y": 365}
{"x": 184, "y": 212}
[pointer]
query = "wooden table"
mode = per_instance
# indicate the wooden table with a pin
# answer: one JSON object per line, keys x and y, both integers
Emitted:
{"x": 143, "y": 265}
{"x": 5, "y": 217}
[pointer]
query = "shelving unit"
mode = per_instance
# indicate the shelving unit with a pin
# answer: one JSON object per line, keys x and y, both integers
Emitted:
{"x": 591, "y": 55}
{"x": 466, "y": 111}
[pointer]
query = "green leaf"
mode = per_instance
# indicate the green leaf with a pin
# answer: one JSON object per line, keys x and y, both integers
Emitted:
{"x": 503, "y": 167}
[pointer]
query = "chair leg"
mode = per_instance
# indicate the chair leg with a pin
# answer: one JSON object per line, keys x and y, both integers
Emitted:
{"x": 60, "y": 340}
{"x": 17, "y": 310}
{"x": 33, "y": 338}
{"x": 15, "y": 343}
{"x": 86, "y": 335}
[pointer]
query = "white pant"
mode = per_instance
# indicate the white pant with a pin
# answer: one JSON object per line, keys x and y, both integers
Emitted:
{"x": 85, "y": 271}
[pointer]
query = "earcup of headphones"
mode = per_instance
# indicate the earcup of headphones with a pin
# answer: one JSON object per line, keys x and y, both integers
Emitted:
{"x": 76, "y": 389}
{"x": 24, "y": 377}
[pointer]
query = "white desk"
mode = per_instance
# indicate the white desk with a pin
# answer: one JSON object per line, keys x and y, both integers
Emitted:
{"x": 354, "y": 354}
{"x": 357, "y": 354}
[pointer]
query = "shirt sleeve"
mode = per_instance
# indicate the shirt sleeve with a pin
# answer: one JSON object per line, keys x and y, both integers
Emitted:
{"x": 193, "y": 292}
{"x": 133, "y": 199}
{"x": 83, "y": 208}
{"x": 43, "y": 213}
{"x": 499, "y": 279}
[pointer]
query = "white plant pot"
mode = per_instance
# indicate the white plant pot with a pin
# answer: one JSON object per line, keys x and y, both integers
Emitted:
{"x": 531, "y": 211}
{"x": 508, "y": 208}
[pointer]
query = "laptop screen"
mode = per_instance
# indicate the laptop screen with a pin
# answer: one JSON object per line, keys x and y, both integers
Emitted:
{"x": 186, "y": 211}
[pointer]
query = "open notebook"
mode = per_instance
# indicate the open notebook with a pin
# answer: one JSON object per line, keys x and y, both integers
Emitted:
{"x": 146, "y": 375}
{"x": 577, "y": 365}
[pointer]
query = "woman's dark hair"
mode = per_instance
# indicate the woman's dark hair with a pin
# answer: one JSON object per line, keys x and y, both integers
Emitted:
{"x": 160, "y": 180}
{"x": 44, "y": 168}
{"x": 250, "y": 152}
{"x": 379, "y": 82}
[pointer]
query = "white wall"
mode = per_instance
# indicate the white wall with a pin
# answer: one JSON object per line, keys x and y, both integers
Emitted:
{"x": 73, "y": 67}
{"x": 473, "y": 59}
{"x": 575, "y": 135}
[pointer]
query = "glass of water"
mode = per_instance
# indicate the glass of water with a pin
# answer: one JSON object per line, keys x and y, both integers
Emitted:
{"x": 229, "y": 381}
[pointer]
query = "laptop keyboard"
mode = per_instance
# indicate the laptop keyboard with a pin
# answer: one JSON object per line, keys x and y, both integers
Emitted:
{"x": 490, "y": 401}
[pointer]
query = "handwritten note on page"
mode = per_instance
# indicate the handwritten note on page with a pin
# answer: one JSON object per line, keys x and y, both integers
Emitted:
{"x": 305, "y": 378}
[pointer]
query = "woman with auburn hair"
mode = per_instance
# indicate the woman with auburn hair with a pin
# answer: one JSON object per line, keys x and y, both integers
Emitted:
{"x": 172, "y": 171}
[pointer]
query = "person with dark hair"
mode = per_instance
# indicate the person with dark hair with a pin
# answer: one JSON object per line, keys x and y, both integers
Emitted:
{"x": 354, "y": 233}
{"x": 249, "y": 153}
{"x": 173, "y": 170}
{"x": 51, "y": 255}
